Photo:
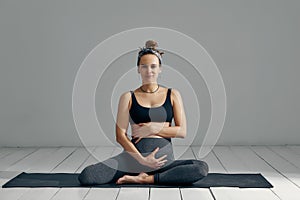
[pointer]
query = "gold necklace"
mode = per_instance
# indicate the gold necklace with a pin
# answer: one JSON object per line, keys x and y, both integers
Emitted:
{"x": 151, "y": 91}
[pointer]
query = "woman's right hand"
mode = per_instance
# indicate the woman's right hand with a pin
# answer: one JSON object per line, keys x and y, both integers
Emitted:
{"x": 152, "y": 162}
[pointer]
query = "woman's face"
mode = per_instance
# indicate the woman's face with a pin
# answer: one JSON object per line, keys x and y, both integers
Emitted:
{"x": 149, "y": 68}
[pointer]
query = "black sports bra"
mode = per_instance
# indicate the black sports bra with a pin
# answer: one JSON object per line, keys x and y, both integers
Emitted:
{"x": 141, "y": 114}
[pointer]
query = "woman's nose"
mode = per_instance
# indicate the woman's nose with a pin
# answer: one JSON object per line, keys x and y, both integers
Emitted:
{"x": 149, "y": 69}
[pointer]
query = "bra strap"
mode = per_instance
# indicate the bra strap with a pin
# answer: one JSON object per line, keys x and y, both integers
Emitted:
{"x": 169, "y": 94}
{"x": 133, "y": 99}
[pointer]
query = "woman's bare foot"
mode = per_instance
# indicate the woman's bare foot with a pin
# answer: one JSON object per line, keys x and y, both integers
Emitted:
{"x": 142, "y": 178}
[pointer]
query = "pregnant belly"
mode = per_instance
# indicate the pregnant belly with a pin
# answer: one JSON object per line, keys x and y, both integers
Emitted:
{"x": 147, "y": 145}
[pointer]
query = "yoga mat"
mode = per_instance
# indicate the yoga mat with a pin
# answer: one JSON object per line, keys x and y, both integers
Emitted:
{"x": 70, "y": 180}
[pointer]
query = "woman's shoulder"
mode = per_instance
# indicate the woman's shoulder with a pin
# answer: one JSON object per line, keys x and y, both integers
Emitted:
{"x": 125, "y": 99}
{"x": 125, "y": 95}
{"x": 174, "y": 91}
{"x": 175, "y": 95}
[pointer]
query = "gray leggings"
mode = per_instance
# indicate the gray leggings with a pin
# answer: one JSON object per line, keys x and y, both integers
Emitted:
{"x": 174, "y": 172}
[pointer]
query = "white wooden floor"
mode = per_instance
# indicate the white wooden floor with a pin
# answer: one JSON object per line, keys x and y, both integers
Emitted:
{"x": 279, "y": 164}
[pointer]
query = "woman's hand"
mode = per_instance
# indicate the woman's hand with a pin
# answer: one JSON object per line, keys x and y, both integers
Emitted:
{"x": 152, "y": 162}
{"x": 142, "y": 130}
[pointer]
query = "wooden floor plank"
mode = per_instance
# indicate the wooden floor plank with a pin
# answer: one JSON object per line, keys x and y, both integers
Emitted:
{"x": 102, "y": 193}
{"x": 286, "y": 163}
{"x": 164, "y": 193}
{"x": 283, "y": 188}
{"x": 133, "y": 193}
{"x": 286, "y": 188}
{"x": 4, "y": 151}
{"x": 234, "y": 164}
{"x": 48, "y": 163}
{"x": 12, "y": 193}
{"x": 215, "y": 166}
{"x": 295, "y": 148}
{"x": 287, "y": 154}
{"x": 72, "y": 162}
{"x": 230, "y": 161}
{"x": 183, "y": 153}
{"x": 196, "y": 194}
{"x": 15, "y": 157}
{"x": 71, "y": 194}
{"x": 226, "y": 193}
{"x": 44, "y": 193}
{"x": 31, "y": 160}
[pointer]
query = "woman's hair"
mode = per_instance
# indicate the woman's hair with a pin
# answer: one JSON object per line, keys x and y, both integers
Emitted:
{"x": 150, "y": 48}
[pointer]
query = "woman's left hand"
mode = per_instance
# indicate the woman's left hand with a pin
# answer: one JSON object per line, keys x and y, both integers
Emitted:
{"x": 142, "y": 130}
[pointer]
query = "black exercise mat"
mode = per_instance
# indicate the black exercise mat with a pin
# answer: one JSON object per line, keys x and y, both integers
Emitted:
{"x": 70, "y": 180}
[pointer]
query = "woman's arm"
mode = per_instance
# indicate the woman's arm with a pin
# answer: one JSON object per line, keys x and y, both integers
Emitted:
{"x": 179, "y": 130}
{"x": 122, "y": 126}
{"x": 161, "y": 128}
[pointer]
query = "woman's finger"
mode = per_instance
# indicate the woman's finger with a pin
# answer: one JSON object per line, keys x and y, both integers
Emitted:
{"x": 164, "y": 161}
{"x": 134, "y": 133}
{"x": 160, "y": 164}
{"x": 155, "y": 151}
{"x": 138, "y": 140}
{"x": 134, "y": 128}
{"x": 159, "y": 159}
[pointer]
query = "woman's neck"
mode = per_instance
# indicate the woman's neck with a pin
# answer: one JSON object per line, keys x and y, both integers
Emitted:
{"x": 149, "y": 87}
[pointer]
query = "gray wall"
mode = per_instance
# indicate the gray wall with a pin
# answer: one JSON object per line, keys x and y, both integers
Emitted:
{"x": 255, "y": 44}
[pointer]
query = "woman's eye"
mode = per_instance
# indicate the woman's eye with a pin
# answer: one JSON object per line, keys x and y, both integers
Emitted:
{"x": 152, "y": 66}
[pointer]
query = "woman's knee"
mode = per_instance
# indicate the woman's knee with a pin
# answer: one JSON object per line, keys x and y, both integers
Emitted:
{"x": 86, "y": 176}
{"x": 99, "y": 173}
{"x": 202, "y": 167}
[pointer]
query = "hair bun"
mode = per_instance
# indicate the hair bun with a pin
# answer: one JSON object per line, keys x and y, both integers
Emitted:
{"x": 151, "y": 44}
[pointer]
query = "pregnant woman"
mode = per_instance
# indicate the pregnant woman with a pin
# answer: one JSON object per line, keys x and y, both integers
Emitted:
{"x": 148, "y": 156}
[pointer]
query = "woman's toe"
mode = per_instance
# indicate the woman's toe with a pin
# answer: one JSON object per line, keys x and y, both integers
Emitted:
{"x": 120, "y": 180}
